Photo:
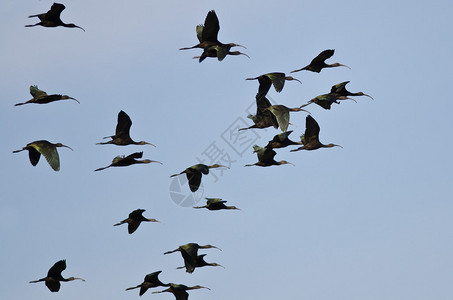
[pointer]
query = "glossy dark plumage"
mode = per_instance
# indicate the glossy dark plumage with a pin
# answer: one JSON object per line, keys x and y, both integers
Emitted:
{"x": 180, "y": 290}
{"x": 281, "y": 140}
{"x": 340, "y": 89}
{"x": 310, "y": 139}
{"x": 189, "y": 253}
{"x": 134, "y": 220}
{"x": 266, "y": 158}
{"x": 151, "y": 280}
{"x": 275, "y": 78}
{"x": 216, "y": 204}
{"x": 54, "y": 277}
{"x": 52, "y": 18}
{"x": 318, "y": 63}
{"x": 263, "y": 118}
{"x": 41, "y": 97}
{"x": 194, "y": 174}
{"x": 47, "y": 149}
{"x": 124, "y": 161}
{"x": 326, "y": 100}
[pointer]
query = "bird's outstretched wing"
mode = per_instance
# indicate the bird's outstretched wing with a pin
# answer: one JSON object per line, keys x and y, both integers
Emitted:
{"x": 266, "y": 155}
{"x": 57, "y": 268}
{"x": 282, "y": 116}
{"x": 134, "y": 155}
{"x": 34, "y": 156}
{"x": 55, "y": 11}
{"x": 50, "y": 153}
{"x": 211, "y": 28}
{"x": 194, "y": 179}
{"x": 311, "y": 131}
{"x": 199, "y": 30}
{"x": 322, "y": 56}
{"x": 37, "y": 93}
{"x": 278, "y": 80}
{"x": 338, "y": 88}
{"x": 132, "y": 226}
{"x": 124, "y": 124}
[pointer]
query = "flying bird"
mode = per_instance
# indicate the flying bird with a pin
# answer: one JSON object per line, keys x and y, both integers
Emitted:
{"x": 276, "y": 78}
{"x": 124, "y": 161}
{"x": 310, "y": 139}
{"x": 318, "y": 63}
{"x": 281, "y": 113}
{"x": 122, "y": 136}
{"x": 54, "y": 277}
{"x": 281, "y": 140}
{"x": 266, "y": 158}
{"x": 47, "y": 149}
{"x": 52, "y": 18}
{"x": 189, "y": 253}
{"x": 195, "y": 172}
{"x": 326, "y": 100}
{"x": 151, "y": 280}
{"x": 180, "y": 290}
{"x": 263, "y": 118}
{"x": 340, "y": 89}
{"x": 207, "y": 37}
{"x": 41, "y": 97}
{"x": 134, "y": 220}
{"x": 216, "y": 204}
{"x": 200, "y": 262}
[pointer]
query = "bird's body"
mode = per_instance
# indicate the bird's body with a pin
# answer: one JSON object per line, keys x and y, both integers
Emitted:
{"x": 266, "y": 158}
{"x": 276, "y": 78}
{"x": 263, "y": 118}
{"x": 180, "y": 290}
{"x": 41, "y": 97}
{"x": 340, "y": 89}
{"x": 52, "y": 18}
{"x": 326, "y": 100}
{"x": 318, "y": 63}
{"x": 207, "y": 37}
{"x": 200, "y": 262}
{"x": 124, "y": 161}
{"x": 122, "y": 133}
{"x": 47, "y": 149}
{"x": 134, "y": 220}
{"x": 281, "y": 113}
{"x": 189, "y": 253}
{"x": 151, "y": 280}
{"x": 216, "y": 204}
{"x": 281, "y": 140}
{"x": 310, "y": 139}
{"x": 194, "y": 174}
{"x": 54, "y": 277}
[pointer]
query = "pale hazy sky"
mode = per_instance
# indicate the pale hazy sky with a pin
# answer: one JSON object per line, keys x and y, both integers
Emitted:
{"x": 371, "y": 220}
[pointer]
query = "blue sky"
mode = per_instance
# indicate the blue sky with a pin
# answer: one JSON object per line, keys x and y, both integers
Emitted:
{"x": 371, "y": 220}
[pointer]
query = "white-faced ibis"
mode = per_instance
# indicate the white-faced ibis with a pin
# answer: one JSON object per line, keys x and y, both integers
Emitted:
{"x": 266, "y": 158}
{"x": 207, "y": 37}
{"x": 281, "y": 113}
{"x": 194, "y": 174}
{"x": 216, "y": 204}
{"x": 134, "y": 220}
{"x": 189, "y": 253}
{"x": 179, "y": 290}
{"x": 41, "y": 97}
{"x": 54, "y": 277}
{"x": 151, "y": 280}
{"x": 281, "y": 140}
{"x": 326, "y": 100}
{"x": 124, "y": 161}
{"x": 310, "y": 139}
{"x": 341, "y": 90}
{"x": 200, "y": 262}
{"x": 276, "y": 78}
{"x": 122, "y": 136}
{"x": 46, "y": 148}
{"x": 263, "y": 118}
{"x": 317, "y": 64}
{"x": 52, "y": 18}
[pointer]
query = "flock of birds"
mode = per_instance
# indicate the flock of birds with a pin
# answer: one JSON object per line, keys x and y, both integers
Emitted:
{"x": 267, "y": 115}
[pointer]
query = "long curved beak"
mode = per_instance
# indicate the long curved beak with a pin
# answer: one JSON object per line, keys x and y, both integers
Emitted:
{"x": 244, "y": 54}
{"x": 67, "y": 147}
{"x": 368, "y": 96}
{"x": 344, "y": 66}
{"x": 74, "y": 99}
{"x": 157, "y": 162}
{"x": 237, "y": 45}
{"x": 338, "y": 145}
{"x": 80, "y": 28}
{"x": 146, "y": 143}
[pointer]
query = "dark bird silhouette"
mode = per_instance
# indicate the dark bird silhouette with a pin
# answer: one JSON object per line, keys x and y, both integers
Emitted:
{"x": 318, "y": 63}
{"x": 200, "y": 262}
{"x": 189, "y": 253}
{"x": 216, "y": 204}
{"x": 52, "y": 18}
{"x": 340, "y": 89}
{"x": 326, "y": 100}
{"x": 134, "y": 220}
{"x": 207, "y": 37}
{"x": 263, "y": 118}
{"x": 277, "y": 79}
{"x": 310, "y": 139}
{"x": 281, "y": 113}
{"x": 281, "y": 140}
{"x": 122, "y": 161}
{"x": 46, "y": 148}
{"x": 151, "y": 280}
{"x": 54, "y": 277}
{"x": 41, "y": 97}
{"x": 122, "y": 136}
{"x": 266, "y": 158}
{"x": 195, "y": 172}
{"x": 180, "y": 290}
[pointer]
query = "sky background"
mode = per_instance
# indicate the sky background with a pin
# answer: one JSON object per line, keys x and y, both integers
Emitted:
{"x": 371, "y": 220}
